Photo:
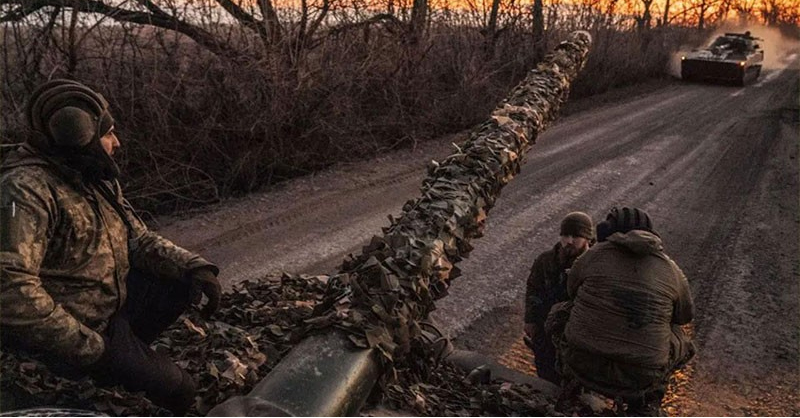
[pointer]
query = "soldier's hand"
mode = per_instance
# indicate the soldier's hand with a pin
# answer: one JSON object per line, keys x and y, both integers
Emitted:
{"x": 204, "y": 282}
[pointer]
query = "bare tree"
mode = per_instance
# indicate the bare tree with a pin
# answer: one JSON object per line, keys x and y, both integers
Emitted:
{"x": 645, "y": 19}
{"x": 260, "y": 18}
{"x": 698, "y": 12}
{"x": 147, "y": 13}
{"x": 745, "y": 9}
{"x": 490, "y": 32}
{"x": 419, "y": 19}
{"x": 538, "y": 29}
{"x": 776, "y": 12}
{"x": 702, "y": 9}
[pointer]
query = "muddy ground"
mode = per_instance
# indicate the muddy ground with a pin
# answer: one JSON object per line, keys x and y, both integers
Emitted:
{"x": 715, "y": 166}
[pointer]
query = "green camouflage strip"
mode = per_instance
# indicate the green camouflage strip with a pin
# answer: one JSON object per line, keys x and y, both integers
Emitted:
{"x": 380, "y": 295}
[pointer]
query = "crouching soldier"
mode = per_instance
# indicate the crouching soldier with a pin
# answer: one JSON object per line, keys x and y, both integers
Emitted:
{"x": 623, "y": 337}
{"x": 547, "y": 285}
{"x": 84, "y": 285}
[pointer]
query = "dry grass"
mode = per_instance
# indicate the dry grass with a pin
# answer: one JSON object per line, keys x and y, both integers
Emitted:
{"x": 197, "y": 128}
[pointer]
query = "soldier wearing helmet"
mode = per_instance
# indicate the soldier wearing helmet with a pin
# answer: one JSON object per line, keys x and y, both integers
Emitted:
{"x": 85, "y": 286}
{"x": 547, "y": 285}
{"x": 623, "y": 336}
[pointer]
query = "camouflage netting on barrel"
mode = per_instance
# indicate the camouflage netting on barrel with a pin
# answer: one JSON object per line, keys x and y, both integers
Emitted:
{"x": 381, "y": 295}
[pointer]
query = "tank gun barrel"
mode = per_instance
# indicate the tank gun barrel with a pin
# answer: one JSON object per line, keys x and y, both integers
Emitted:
{"x": 379, "y": 298}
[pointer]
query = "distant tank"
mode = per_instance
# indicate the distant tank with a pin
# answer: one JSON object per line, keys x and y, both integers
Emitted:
{"x": 733, "y": 57}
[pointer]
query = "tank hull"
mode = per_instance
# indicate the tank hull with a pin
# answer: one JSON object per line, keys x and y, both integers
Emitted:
{"x": 719, "y": 71}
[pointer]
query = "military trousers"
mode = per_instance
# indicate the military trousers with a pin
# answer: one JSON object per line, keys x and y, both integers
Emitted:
{"x": 618, "y": 379}
{"x": 152, "y": 306}
{"x": 544, "y": 356}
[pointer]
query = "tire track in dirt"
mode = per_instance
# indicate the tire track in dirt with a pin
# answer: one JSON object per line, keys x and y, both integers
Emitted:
{"x": 294, "y": 213}
{"x": 747, "y": 327}
{"x": 308, "y": 228}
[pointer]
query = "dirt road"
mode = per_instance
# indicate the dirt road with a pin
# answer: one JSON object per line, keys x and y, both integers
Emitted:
{"x": 715, "y": 166}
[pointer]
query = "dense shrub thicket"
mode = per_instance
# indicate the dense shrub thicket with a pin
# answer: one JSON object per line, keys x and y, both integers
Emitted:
{"x": 197, "y": 127}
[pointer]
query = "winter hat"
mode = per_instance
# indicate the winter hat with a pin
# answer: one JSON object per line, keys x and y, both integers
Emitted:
{"x": 68, "y": 113}
{"x": 577, "y": 224}
{"x": 627, "y": 219}
{"x": 68, "y": 119}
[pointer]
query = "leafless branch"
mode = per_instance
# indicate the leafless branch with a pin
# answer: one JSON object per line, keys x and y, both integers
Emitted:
{"x": 24, "y": 9}
{"x": 326, "y": 4}
{"x": 119, "y": 14}
{"x": 245, "y": 19}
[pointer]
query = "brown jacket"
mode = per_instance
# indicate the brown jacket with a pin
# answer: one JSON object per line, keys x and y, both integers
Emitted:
{"x": 627, "y": 294}
{"x": 65, "y": 253}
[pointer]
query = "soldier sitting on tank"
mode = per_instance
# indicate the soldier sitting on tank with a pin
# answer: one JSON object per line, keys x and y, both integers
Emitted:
{"x": 623, "y": 337}
{"x": 85, "y": 287}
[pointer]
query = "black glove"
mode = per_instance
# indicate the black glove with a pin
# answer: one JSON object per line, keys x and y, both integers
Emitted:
{"x": 204, "y": 282}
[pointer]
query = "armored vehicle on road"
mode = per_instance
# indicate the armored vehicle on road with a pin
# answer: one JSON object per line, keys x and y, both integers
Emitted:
{"x": 733, "y": 57}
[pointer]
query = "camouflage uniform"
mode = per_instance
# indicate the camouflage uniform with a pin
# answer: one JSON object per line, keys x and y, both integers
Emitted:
{"x": 65, "y": 254}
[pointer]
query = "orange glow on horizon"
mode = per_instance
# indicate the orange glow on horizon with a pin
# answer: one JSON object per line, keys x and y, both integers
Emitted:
{"x": 680, "y": 12}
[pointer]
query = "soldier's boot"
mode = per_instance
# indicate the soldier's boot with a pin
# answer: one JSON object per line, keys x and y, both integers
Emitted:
{"x": 648, "y": 405}
{"x": 571, "y": 390}
{"x": 179, "y": 398}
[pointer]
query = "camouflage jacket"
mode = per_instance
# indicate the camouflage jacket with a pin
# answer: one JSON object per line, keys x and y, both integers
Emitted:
{"x": 65, "y": 253}
{"x": 627, "y": 295}
{"x": 546, "y": 286}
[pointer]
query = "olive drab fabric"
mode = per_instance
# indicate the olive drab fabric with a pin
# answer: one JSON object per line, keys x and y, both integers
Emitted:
{"x": 65, "y": 253}
{"x": 69, "y": 113}
{"x": 628, "y": 295}
{"x": 546, "y": 285}
{"x": 67, "y": 119}
{"x": 578, "y": 224}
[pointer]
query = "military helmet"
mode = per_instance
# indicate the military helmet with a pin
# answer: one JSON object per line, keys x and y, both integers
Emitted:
{"x": 68, "y": 113}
